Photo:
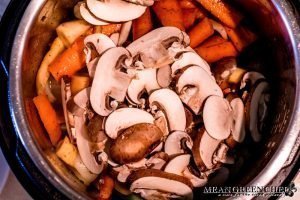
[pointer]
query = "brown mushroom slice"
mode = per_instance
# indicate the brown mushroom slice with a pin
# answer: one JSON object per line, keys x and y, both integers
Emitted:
{"x": 218, "y": 117}
{"x": 165, "y": 36}
{"x": 76, "y": 10}
{"x": 173, "y": 143}
{"x": 109, "y": 81}
{"x": 257, "y": 109}
{"x": 172, "y": 106}
{"x": 135, "y": 143}
{"x": 84, "y": 147}
{"x": 206, "y": 86}
{"x": 89, "y": 17}
{"x": 123, "y": 118}
{"x": 163, "y": 182}
{"x": 252, "y": 78}
{"x": 238, "y": 129}
{"x": 115, "y": 10}
{"x": 143, "y": 80}
{"x": 99, "y": 42}
{"x": 178, "y": 164}
{"x": 188, "y": 59}
{"x": 164, "y": 76}
{"x": 124, "y": 33}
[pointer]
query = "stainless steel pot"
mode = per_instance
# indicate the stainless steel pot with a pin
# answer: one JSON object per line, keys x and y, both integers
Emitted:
{"x": 279, "y": 59}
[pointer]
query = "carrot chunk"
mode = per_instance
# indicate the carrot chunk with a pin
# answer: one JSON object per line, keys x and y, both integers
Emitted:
{"x": 106, "y": 188}
{"x": 108, "y": 29}
{"x": 189, "y": 17}
{"x": 142, "y": 25}
{"x": 48, "y": 117}
{"x": 224, "y": 12}
{"x": 212, "y": 51}
{"x": 169, "y": 13}
{"x": 241, "y": 37}
{"x": 201, "y": 32}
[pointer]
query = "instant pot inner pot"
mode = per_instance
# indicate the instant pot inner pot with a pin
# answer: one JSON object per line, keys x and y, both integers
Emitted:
{"x": 272, "y": 55}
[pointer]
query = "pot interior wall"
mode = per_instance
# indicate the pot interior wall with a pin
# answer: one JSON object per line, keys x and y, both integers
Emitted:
{"x": 272, "y": 55}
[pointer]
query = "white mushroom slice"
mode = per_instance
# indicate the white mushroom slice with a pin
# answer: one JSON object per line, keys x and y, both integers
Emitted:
{"x": 161, "y": 122}
{"x": 207, "y": 148}
{"x": 218, "y": 117}
{"x": 158, "y": 148}
{"x": 156, "y": 163}
{"x": 100, "y": 43}
{"x": 66, "y": 95}
{"x": 173, "y": 144}
{"x": 142, "y": 2}
{"x": 178, "y": 164}
{"x": 115, "y": 10}
{"x": 164, "y": 76}
{"x": 84, "y": 147}
{"x": 161, "y": 181}
{"x": 221, "y": 155}
{"x": 219, "y": 28}
{"x": 258, "y": 110}
{"x": 109, "y": 81}
{"x": 124, "y": 118}
{"x": 238, "y": 129}
{"x": 172, "y": 106}
{"x": 199, "y": 78}
{"x": 196, "y": 181}
{"x": 115, "y": 38}
{"x": 188, "y": 59}
{"x": 89, "y": 17}
{"x": 82, "y": 98}
{"x": 76, "y": 10}
{"x": 164, "y": 35}
{"x": 91, "y": 66}
{"x": 143, "y": 80}
{"x": 124, "y": 33}
{"x": 252, "y": 77}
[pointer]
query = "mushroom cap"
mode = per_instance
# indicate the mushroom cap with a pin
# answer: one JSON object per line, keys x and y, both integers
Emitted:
{"x": 238, "y": 130}
{"x": 115, "y": 10}
{"x": 172, "y": 106}
{"x": 124, "y": 33}
{"x": 89, "y": 17}
{"x": 196, "y": 76}
{"x": 178, "y": 164}
{"x": 218, "y": 117}
{"x": 125, "y": 117}
{"x": 173, "y": 143}
{"x": 109, "y": 80}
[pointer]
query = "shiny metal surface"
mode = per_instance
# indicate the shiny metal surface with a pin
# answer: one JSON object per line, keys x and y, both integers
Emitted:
{"x": 284, "y": 128}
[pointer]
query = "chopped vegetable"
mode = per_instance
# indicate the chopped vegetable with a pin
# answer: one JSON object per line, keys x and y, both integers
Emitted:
{"x": 48, "y": 117}
{"x": 187, "y": 4}
{"x": 169, "y": 13}
{"x": 201, "y": 32}
{"x": 211, "y": 51}
{"x": 241, "y": 37}
{"x": 67, "y": 152}
{"x": 78, "y": 83}
{"x": 142, "y": 25}
{"x": 68, "y": 32}
{"x": 189, "y": 17}
{"x": 108, "y": 29}
{"x": 106, "y": 188}
{"x": 70, "y": 61}
{"x": 224, "y": 12}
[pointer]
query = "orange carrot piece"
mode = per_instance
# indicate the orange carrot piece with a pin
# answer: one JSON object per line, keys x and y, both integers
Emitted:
{"x": 142, "y": 25}
{"x": 201, "y": 32}
{"x": 106, "y": 188}
{"x": 213, "y": 40}
{"x": 187, "y": 4}
{"x": 212, "y": 51}
{"x": 48, "y": 117}
{"x": 189, "y": 17}
{"x": 169, "y": 13}
{"x": 108, "y": 29}
{"x": 36, "y": 125}
{"x": 224, "y": 12}
{"x": 241, "y": 37}
{"x": 70, "y": 61}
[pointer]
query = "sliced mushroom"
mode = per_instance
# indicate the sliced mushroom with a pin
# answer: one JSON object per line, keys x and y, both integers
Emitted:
{"x": 219, "y": 28}
{"x": 135, "y": 143}
{"x": 252, "y": 78}
{"x": 81, "y": 99}
{"x": 161, "y": 122}
{"x": 124, "y": 118}
{"x": 90, "y": 17}
{"x": 173, "y": 144}
{"x": 84, "y": 147}
{"x": 109, "y": 81}
{"x": 76, "y": 10}
{"x": 115, "y": 10}
{"x": 188, "y": 59}
{"x": 221, "y": 155}
{"x": 142, "y": 2}
{"x": 165, "y": 36}
{"x": 143, "y": 80}
{"x": 218, "y": 117}
{"x": 164, "y": 76}
{"x": 163, "y": 182}
{"x": 196, "y": 181}
{"x": 238, "y": 130}
{"x": 206, "y": 86}
{"x": 91, "y": 67}
{"x": 178, "y": 164}
{"x": 124, "y": 33}
{"x": 115, "y": 38}
{"x": 169, "y": 102}
{"x": 99, "y": 42}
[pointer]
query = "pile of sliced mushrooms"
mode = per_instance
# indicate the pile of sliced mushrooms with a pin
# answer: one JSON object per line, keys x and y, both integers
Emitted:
{"x": 155, "y": 116}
